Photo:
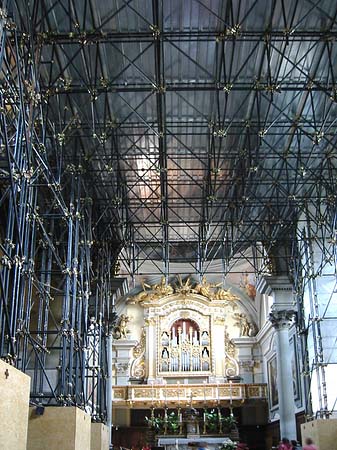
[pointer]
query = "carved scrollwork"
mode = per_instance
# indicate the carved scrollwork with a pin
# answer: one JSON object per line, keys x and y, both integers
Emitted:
{"x": 231, "y": 364}
{"x": 138, "y": 368}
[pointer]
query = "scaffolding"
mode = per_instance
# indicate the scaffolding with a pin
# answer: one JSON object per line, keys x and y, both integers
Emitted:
{"x": 135, "y": 133}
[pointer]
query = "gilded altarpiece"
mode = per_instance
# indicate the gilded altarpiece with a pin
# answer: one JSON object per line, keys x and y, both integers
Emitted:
{"x": 185, "y": 333}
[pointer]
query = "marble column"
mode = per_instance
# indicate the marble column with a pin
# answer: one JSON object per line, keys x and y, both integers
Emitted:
{"x": 281, "y": 317}
{"x": 281, "y": 321}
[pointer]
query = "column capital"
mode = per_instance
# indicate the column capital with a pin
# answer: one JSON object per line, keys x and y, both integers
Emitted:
{"x": 282, "y": 319}
{"x": 247, "y": 365}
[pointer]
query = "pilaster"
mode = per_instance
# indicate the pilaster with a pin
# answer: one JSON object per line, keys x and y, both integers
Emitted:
{"x": 218, "y": 342}
{"x": 121, "y": 357}
{"x": 151, "y": 343}
{"x": 244, "y": 346}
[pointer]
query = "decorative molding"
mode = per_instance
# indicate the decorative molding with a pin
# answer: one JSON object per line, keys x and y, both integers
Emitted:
{"x": 150, "y": 321}
{"x": 159, "y": 395}
{"x": 121, "y": 367}
{"x": 218, "y": 320}
{"x": 247, "y": 365}
{"x": 269, "y": 284}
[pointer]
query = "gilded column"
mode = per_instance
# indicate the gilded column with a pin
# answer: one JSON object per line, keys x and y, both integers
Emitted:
{"x": 151, "y": 347}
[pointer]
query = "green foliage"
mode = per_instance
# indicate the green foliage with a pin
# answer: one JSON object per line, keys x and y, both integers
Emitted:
{"x": 229, "y": 422}
{"x": 212, "y": 421}
{"x": 156, "y": 423}
{"x": 173, "y": 422}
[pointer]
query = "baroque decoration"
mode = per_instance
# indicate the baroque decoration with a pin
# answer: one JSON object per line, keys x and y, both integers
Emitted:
{"x": 162, "y": 289}
{"x": 185, "y": 330}
{"x": 138, "y": 369}
{"x": 231, "y": 364}
{"x": 120, "y": 330}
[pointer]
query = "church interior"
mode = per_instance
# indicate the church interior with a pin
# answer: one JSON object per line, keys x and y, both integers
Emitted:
{"x": 168, "y": 224}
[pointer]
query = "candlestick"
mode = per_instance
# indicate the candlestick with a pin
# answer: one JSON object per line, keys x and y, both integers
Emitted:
{"x": 220, "y": 420}
{"x": 191, "y": 396}
{"x": 152, "y": 416}
{"x": 152, "y": 396}
{"x": 165, "y": 393}
{"x": 165, "y": 421}
{"x": 180, "y": 421}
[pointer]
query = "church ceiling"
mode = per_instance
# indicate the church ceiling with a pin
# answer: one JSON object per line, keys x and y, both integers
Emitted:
{"x": 205, "y": 130}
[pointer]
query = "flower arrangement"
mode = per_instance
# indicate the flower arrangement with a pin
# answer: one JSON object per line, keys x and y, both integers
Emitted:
{"x": 228, "y": 446}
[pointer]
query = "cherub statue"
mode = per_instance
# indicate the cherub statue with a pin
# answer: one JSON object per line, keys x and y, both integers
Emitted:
{"x": 120, "y": 330}
{"x": 222, "y": 294}
{"x": 247, "y": 327}
{"x": 142, "y": 295}
{"x": 152, "y": 292}
{"x": 204, "y": 288}
{"x": 162, "y": 288}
